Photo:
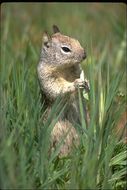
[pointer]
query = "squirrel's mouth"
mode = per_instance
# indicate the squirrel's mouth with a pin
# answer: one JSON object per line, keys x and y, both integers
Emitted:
{"x": 81, "y": 58}
{"x": 84, "y": 56}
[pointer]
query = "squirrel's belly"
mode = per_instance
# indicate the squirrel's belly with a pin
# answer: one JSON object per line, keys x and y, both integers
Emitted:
{"x": 64, "y": 131}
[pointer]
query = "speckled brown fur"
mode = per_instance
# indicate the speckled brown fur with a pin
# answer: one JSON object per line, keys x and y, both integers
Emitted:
{"x": 59, "y": 74}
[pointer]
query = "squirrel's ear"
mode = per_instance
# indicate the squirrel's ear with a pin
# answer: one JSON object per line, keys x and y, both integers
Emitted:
{"x": 55, "y": 29}
{"x": 46, "y": 39}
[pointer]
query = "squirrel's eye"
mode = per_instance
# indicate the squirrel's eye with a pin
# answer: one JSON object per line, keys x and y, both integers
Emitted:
{"x": 66, "y": 49}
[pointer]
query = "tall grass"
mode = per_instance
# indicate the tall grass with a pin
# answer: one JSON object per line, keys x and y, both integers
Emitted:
{"x": 100, "y": 160}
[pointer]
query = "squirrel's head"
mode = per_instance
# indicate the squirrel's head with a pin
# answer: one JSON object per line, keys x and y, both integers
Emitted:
{"x": 61, "y": 50}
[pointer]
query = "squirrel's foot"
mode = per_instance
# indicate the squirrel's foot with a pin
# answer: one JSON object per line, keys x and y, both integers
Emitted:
{"x": 82, "y": 84}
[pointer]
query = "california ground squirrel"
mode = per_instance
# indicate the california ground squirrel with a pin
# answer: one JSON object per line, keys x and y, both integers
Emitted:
{"x": 59, "y": 74}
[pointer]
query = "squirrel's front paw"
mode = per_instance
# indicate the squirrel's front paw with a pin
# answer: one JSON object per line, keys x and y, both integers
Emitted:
{"x": 79, "y": 83}
{"x": 82, "y": 84}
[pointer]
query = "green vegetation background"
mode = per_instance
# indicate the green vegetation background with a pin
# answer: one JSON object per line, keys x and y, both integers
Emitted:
{"x": 101, "y": 29}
